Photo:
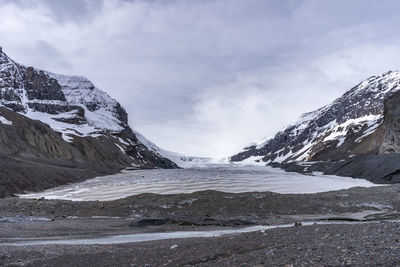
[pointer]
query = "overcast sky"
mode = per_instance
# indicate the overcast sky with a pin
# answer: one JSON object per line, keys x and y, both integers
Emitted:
{"x": 207, "y": 77}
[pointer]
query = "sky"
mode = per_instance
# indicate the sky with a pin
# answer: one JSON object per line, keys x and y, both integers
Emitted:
{"x": 208, "y": 77}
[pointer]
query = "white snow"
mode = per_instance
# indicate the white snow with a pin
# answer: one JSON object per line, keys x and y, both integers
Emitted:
{"x": 80, "y": 91}
{"x": 5, "y": 121}
{"x": 339, "y": 131}
{"x": 251, "y": 161}
{"x": 122, "y": 150}
{"x": 372, "y": 125}
{"x": 66, "y": 129}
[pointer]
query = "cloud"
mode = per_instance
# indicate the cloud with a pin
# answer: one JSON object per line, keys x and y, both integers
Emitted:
{"x": 61, "y": 10}
{"x": 208, "y": 77}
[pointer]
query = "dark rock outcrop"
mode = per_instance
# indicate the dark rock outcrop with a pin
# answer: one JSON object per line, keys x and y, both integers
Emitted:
{"x": 40, "y": 86}
{"x": 391, "y": 125}
{"x": 382, "y": 165}
{"x": 56, "y": 109}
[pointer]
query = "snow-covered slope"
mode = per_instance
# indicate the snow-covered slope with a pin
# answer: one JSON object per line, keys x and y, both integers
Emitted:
{"x": 74, "y": 107}
{"x": 349, "y": 126}
{"x": 182, "y": 161}
{"x": 70, "y": 104}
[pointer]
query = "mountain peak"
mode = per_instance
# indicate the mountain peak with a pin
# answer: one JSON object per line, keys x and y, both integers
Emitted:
{"x": 72, "y": 106}
{"x": 335, "y": 131}
{"x": 3, "y": 57}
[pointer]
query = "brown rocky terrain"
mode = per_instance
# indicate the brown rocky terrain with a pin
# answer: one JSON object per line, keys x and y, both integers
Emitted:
{"x": 34, "y": 157}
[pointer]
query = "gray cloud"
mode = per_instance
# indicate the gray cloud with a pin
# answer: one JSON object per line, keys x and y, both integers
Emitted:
{"x": 207, "y": 77}
{"x": 62, "y": 10}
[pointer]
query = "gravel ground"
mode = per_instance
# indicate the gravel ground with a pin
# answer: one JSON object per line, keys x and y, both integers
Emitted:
{"x": 373, "y": 242}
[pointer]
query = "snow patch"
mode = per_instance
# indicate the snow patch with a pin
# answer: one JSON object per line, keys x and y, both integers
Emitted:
{"x": 5, "y": 121}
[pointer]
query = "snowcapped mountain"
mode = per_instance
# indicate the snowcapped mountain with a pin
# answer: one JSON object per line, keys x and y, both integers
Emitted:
{"x": 92, "y": 127}
{"x": 69, "y": 104}
{"x": 352, "y": 125}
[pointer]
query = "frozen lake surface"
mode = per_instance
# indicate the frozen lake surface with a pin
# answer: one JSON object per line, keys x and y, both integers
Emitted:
{"x": 227, "y": 179}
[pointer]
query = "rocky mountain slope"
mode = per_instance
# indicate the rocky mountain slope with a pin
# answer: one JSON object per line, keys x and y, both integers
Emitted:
{"x": 364, "y": 122}
{"x": 56, "y": 129}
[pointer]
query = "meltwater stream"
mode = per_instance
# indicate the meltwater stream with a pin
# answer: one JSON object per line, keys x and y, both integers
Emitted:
{"x": 231, "y": 179}
{"x": 134, "y": 238}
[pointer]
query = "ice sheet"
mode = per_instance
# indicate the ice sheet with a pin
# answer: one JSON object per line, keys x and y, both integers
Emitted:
{"x": 227, "y": 179}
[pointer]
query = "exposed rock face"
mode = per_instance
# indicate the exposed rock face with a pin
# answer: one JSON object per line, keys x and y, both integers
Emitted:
{"x": 32, "y": 139}
{"x": 34, "y": 157}
{"x": 56, "y": 109}
{"x": 40, "y": 86}
{"x": 351, "y": 125}
{"x": 391, "y": 125}
{"x": 62, "y": 124}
